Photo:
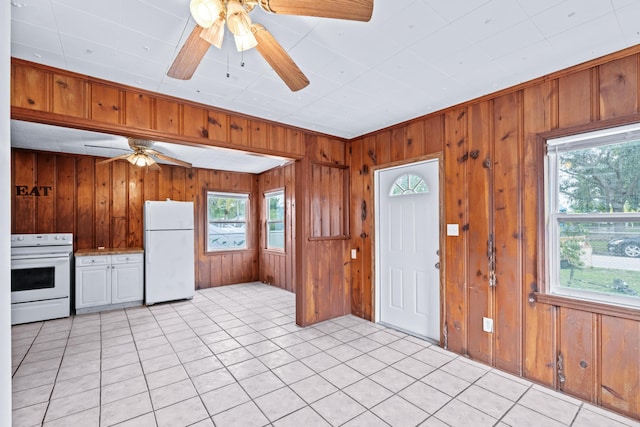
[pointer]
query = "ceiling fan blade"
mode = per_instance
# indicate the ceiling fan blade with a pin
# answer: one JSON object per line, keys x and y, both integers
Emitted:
{"x": 354, "y": 10}
{"x": 279, "y": 59}
{"x": 172, "y": 160}
{"x": 113, "y": 159}
{"x": 189, "y": 56}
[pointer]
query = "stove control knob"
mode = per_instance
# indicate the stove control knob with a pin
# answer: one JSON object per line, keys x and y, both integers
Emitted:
{"x": 20, "y": 238}
{"x": 57, "y": 237}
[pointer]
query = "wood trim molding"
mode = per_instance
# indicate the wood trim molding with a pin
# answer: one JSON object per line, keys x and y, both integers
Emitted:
{"x": 588, "y": 306}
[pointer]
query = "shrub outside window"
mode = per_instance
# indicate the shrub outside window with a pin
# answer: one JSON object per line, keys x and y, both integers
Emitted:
{"x": 593, "y": 215}
{"x": 274, "y": 203}
{"x": 226, "y": 221}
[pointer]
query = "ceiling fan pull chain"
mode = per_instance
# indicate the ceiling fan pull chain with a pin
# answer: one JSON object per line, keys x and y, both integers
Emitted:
{"x": 228, "y": 74}
{"x": 242, "y": 58}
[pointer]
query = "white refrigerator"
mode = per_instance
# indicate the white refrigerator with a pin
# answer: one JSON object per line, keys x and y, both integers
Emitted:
{"x": 169, "y": 251}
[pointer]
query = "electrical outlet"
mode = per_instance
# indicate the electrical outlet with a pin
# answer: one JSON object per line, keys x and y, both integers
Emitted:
{"x": 354, "y": 254}
{"x": 487, "y": 324}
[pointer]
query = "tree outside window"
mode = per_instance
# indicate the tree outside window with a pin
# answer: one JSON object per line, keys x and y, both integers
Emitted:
{"x": 274, "y": 203}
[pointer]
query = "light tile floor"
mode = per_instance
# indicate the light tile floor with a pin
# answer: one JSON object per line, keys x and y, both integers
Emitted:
{"x": 233, "y": 356}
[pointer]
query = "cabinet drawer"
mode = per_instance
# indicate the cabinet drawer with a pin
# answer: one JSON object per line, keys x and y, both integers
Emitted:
{"x": 126, "y": 258}
{"x": 92, "y": 260}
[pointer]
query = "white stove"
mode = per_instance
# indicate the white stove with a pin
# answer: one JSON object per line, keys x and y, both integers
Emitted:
{"x": 40, "y": 276}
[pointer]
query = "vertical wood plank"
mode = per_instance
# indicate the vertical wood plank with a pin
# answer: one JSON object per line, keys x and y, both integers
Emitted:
{"x": 620, "y": 355}
{"x": 194, "y": 122}
{"x": 539, "y": 343}
{"x": 479, "y": 226}
{"x": 85, "y": 218}
{"x": 167, "y": 116}
{"x": 456, "y": 212}
{"x": 69, "y": 96}
{"x": 105, "y": 104}
{"x": 29, "y": 88}
{"x": 23, "y": 216}
{"x": 414, "y": 145}
{"x": 138, "y": 110}
{"x": 45, "y": 202}
{"x": 103, "y": 204}
{"x": 575, "y": 98}
{"x": 619, "y": 87}
{"x": 135, "y": 207}
{"x": 119, "y": 204}
{"x": 508, "y": 231}
{"x": 217, "y": 125}
{"x": 65, "y": 194}
{"x": 576, "y": 349}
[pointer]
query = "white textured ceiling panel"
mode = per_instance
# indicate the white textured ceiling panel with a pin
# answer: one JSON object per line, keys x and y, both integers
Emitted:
{"x": 412, "y": 58}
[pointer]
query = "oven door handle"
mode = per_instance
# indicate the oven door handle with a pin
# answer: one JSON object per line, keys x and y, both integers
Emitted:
{"x": 39, "y": 256}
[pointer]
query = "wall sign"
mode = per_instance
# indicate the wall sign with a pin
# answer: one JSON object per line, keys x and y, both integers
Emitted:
{"x": 25, "y": 190}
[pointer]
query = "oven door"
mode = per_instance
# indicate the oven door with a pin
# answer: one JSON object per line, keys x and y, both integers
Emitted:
{"x": 42, "y": 278}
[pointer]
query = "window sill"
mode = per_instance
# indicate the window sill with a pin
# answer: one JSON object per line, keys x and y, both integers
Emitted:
{"x": 589, "y": 306}
{"x": 274, "y": 251}
{"x": 227, "y": 251}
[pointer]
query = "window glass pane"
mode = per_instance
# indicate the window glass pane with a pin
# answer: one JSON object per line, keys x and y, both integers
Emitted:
{"x": 601, "y": 257}
{"x": 275, "y": 235}
{"x": 408, "y": 184}
{"x": 276, "y": 207}
{"x": 275, "y": 220}
{"x": 224, "y": 208}
{"x": 227, "y": 227}
{"x": 600, "y": 179}
{"x": 230, "y": 235}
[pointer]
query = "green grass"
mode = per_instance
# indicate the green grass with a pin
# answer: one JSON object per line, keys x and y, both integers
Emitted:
{"x": 600, "y": 280}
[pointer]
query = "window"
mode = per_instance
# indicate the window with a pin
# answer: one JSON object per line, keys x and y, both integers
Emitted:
{"x": 593, "y": 222}
{"x": 227, "y": 221}
{"x": 408, "y": 184}
{"x": 274, "y": 203}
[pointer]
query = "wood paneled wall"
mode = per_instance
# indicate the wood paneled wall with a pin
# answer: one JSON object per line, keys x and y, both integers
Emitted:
{"x": 322, "y": 232}
{"x": 49, "y": 95}
{"x": 102, "y": 205}
{"x": 277, "y": 268}
{"x": 493, "y": 167}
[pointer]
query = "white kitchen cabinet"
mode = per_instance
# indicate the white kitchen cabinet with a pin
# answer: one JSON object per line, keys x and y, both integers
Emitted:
{"x": 108, "y": 281}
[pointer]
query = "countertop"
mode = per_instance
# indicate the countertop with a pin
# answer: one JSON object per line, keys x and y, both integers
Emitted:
{"x": 108, "y": 251}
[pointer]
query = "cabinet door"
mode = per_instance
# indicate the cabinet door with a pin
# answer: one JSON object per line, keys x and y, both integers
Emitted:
{"x": 93, "y": 286}
{"x": 127, "y": 282}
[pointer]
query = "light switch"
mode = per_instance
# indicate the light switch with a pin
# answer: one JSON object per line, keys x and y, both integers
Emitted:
{"x": 453, "y": 230}
{"x": 354, "y": 254}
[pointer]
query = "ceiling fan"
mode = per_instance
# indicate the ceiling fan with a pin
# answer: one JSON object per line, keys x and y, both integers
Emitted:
{"x": 211, "y": 16}
{"x": 144, "y": 155}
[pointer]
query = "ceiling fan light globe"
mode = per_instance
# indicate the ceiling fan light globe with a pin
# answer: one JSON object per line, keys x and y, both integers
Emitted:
{"x": 214, "y": 34}
{"x": 205, "y": 12}
{"x": 238, "y": 19}
{"x": 245, "y": 41}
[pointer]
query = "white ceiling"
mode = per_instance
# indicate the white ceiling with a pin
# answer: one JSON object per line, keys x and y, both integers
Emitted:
{"x": 412, "y": 58}
{"x": 36, "y": 136}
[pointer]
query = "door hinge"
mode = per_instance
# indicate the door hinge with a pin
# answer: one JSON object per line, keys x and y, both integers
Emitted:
{"x": 445, "y": 335}
{"x": 560, "y": 371}
{"x": 491, "y": 255}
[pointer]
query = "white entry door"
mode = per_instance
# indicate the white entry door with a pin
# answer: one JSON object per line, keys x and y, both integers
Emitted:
{"x": 407, "y": 248}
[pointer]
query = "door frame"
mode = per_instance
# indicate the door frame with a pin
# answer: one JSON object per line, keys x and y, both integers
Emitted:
{"x": 375, "y": 283}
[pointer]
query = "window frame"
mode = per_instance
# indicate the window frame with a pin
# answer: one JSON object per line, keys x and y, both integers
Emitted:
{"x": 247, "y": 220}
{"x": 267, "y": 221}
{"x": 553, "y": 146}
